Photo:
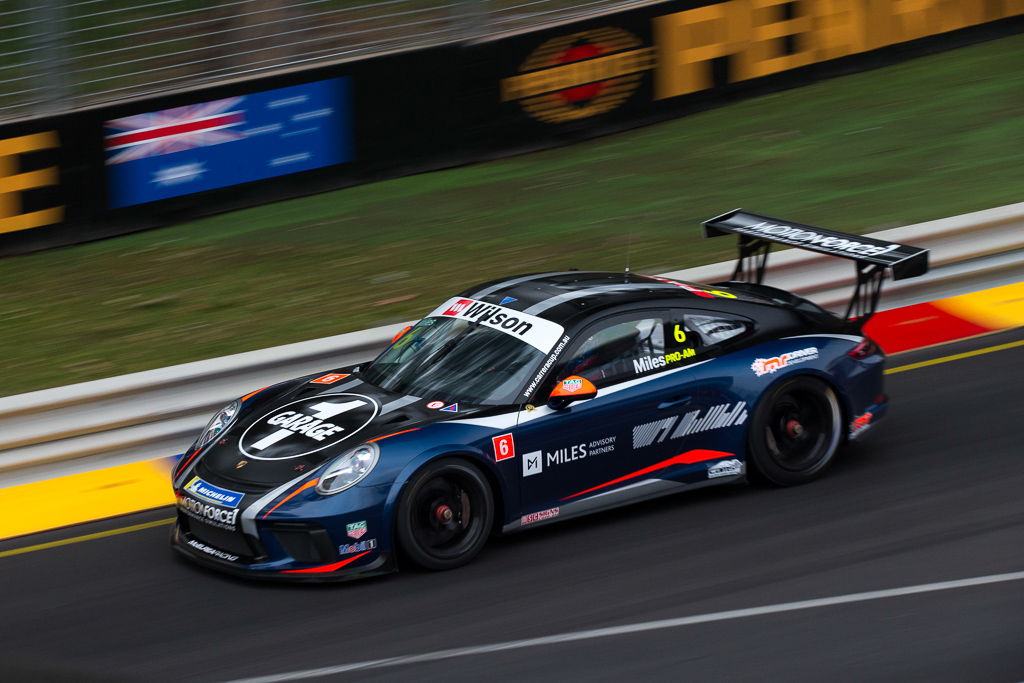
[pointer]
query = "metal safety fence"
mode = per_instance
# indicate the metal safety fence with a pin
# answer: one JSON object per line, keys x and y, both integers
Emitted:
{"x": 57, "y": 55}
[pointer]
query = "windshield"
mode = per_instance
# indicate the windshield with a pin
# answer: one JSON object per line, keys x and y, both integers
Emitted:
{"x": 456, "y": 360}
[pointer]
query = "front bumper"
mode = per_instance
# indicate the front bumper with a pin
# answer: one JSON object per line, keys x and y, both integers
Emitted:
{"x": 309, "y": 538}
{"x": 283, "y": 569}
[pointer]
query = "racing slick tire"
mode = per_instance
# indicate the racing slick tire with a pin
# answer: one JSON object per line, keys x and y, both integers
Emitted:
{"x": 445, "y": 515}
{"x": 795, "y": 433}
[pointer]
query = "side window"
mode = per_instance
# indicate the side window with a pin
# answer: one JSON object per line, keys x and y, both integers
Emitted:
{"x": 700, "y": 330}
{"x": 619, "y": 351}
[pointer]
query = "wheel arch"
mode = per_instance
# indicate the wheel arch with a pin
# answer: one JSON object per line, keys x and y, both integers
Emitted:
{"x": 469, "y": 455}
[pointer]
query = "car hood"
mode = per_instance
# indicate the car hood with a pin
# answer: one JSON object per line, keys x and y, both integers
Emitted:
{"x": 296, "y": 429}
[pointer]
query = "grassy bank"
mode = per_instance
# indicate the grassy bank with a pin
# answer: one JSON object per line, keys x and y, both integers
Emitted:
{"x": 929, "y": 138}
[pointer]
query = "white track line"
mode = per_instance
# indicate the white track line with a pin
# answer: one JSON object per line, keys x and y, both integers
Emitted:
{"x": 635, "y": 628}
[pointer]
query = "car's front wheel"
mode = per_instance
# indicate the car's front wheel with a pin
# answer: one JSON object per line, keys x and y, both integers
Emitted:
{"x": 445, "y": 515}
{"x": 795, "y": 433}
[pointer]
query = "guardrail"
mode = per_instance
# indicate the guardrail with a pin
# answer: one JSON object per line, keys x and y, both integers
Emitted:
{"x": 156, "y": 413}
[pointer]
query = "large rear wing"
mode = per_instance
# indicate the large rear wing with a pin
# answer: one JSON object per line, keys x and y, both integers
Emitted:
{"x": 873, "y": 257}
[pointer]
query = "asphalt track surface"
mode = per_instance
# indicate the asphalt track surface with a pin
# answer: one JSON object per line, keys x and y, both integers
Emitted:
{"x": 935, "y": 494}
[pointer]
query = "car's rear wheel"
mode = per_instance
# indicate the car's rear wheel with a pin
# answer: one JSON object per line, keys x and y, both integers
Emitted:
{"x": 445, "y": 515}
{"x": 795, "y": 433}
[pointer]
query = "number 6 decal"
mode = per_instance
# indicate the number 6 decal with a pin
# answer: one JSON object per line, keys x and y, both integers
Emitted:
{"x": 504, "y": 448}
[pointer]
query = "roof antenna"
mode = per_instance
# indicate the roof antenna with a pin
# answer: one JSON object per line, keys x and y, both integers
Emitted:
{"x": 629, "y": 246}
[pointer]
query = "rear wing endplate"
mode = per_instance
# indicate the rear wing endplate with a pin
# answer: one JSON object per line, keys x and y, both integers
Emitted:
{"x": 873, "y": 257}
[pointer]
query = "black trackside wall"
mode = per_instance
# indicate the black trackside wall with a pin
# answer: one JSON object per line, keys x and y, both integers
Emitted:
{"x": 155, "y": 161}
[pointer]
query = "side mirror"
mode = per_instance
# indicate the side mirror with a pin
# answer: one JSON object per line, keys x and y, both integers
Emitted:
{"x": 569, "y": 390}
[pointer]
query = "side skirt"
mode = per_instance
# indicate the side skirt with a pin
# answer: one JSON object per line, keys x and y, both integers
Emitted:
{"x": 609, "y": 500}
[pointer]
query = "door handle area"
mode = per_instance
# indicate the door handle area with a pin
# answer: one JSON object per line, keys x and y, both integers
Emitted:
{"x": 679, "y": 400}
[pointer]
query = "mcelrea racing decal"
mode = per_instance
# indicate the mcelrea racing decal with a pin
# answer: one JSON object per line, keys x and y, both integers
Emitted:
{"x": 537, "y": 332}
{"x": 767, "y": 366}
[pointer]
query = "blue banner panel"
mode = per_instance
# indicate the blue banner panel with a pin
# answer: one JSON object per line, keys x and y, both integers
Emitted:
{"x": 234, "y": 140}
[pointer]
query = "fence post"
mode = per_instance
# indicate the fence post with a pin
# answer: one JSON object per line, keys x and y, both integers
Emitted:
{"x": 473, "y": 17}
{"x": 48, "y": 39}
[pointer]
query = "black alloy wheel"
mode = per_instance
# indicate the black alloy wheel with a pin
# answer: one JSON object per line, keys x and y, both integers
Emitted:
{"x": 795, "y": 433}
{"x": 445, "y": 515}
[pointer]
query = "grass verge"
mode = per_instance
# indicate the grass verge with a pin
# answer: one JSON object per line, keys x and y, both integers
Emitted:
{"x": 929, "y": 138}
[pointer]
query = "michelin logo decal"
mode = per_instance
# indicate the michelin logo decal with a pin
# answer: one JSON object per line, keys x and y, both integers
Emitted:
{"x": 213, "y": 494}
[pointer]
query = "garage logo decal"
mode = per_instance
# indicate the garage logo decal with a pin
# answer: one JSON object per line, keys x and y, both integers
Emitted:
{"x": 579, "y": 75}
{"x": 306, "y": 426}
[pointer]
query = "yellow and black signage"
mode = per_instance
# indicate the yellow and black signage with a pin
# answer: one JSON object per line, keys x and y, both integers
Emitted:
{"x": 18, "y": 181}
{"x": 579, "y": 75}
{"x": 586, "y": 73}
{"x": 762, "y": 37}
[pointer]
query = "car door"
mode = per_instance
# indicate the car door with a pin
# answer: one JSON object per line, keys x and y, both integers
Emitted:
{"x": 583, "y": 457}
{"x": 701, "y": 437}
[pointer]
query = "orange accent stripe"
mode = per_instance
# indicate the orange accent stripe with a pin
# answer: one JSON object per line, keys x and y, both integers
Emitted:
{"x": 290, "y": 496}
{"x": 326, "y": 567}
{"x": 393, "y": 434}
{"x": 182, "y": 468}
{"x": 248, "y": 396}
{"x": 687, "y": 458}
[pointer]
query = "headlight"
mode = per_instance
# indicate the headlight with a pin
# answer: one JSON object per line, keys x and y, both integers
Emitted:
{"x": 348, "y": 469}
{"x": 218, "y": 424}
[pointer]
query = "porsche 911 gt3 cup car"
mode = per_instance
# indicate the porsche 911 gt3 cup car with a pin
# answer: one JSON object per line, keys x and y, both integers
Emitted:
{"x": 537, "y": 398}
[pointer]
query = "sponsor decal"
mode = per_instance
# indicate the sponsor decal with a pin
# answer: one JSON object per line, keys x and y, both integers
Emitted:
{"x": 535, "y": 517}
{"x": 213, "y": 494}
{"x": 507, "y": 300}
{"x": 434, "y": 405}
{"x": 360, "y": 547}
{"x": 453, "y": 408}
{"x": 240, "y": 464}
{"x": 579, "y": 75}
{"x": 768, "y": 366}
{"x": 328, "y": 379}
{"x": 210, "y": 514}
{"x": 459, "y": 307}
{"x": 504, "y": 447}
{"x": 356, "y": 529}
{"x": 860, "y": 424}
{"x": 572, "y": 385}
{"x": 648, "y": 363}
{"x": 717, "y": 417}
{"x": 726, "y": 468}
{"x": 307, "y": 426}
{"x": 535, "y": 461}
{"x": 537, "y": 332}
{"x": 552, "y": 357}
{"x": 220, "y": 554}
{"x": 789, "y": 234}
{"x": 19, "y": 173}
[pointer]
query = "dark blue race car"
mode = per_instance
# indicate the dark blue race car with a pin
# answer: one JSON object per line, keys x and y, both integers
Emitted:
{"x": 533, "y": 399}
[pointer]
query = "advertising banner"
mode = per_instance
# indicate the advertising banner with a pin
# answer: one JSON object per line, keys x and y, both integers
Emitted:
{"x": 663, "y": 60}
{"x": 30, "y": 181}
{"x": 228, "y": 141}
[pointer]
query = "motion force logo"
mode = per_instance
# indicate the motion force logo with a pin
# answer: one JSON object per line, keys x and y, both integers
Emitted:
{"x": 211, "y": 514}
{"x": 579, "y": 75}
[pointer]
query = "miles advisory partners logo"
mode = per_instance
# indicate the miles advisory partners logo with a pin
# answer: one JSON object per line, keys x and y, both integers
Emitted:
{"x": 579, "y": 75}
